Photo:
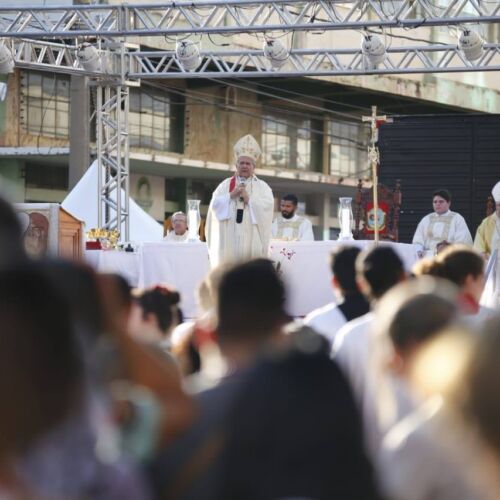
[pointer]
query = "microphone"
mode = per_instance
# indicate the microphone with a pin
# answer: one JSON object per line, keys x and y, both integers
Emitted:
{"x": 240, "y": 205}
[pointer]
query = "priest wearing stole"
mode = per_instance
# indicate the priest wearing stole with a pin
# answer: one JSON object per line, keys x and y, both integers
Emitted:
{"x": 441, "y": 225}
{"x": 488, "y": 233}
{"x": 241, "y": 211}
{"x": 290, "y": 226}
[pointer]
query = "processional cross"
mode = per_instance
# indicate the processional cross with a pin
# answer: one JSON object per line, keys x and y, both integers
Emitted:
{"x": 374, "y": 159}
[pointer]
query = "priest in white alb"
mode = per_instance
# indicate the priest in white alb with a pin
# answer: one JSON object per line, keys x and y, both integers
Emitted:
{"x": 290, "y": 226}
{"x": 442, "y": 225}
{"x": 179, "y": 232}
{"x": 241, "y": 211}
{"x": 488, "y": 233}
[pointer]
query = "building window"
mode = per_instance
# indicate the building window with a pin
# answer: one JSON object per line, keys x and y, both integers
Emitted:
{"x": 46, "y": 176}
{"x": 287, "y": 142}
{"x": 156, "y": 120}
{"x": 348, "y": 143}
{"x": 45, "y": 104}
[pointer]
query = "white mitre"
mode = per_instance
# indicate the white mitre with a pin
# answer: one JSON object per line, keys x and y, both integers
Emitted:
{"x": 247, "y": 146}
{"x": 496, "y": 192}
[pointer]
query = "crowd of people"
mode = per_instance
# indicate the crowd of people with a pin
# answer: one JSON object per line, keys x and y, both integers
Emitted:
{"x": 390, "y": 392}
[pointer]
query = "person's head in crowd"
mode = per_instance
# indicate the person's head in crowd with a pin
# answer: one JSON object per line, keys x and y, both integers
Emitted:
{"x": 377, "y": 270}
{"x": 155, "y": 312}
{"x": 77, "y": 283}
{"x": 480, "y": 385}
{"x": 288, "y": 205}
{"x": 442, "y": 245}
{"x": 294, "y": 432}
{"x": 179, "y": 223}
{"x": 411, "y": 314}
{"x": 464, "y": 267}
{"x": 250, "y": 306}
{"x": 41, "y": 367}
{"x": 343, "y": 266}
{"x": 11, "y": 246}
{"x": 441, "y": 201}
{"x": 187, "y": 354}
{"x": 116, "y": 300}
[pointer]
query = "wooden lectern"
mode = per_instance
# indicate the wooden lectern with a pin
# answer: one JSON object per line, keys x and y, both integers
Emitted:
{"x": 48, "y": 229}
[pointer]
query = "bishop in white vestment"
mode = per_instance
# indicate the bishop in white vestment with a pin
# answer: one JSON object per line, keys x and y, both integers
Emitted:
{"x": 441, "y": 225}
{"x": 241, "y": 211}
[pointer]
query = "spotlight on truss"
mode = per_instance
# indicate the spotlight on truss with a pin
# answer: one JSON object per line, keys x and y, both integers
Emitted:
{"x": 373, "y": 49}
{"x": 6, "y": 59}
{"x": 89, "y": 58}
{"x": 276, "y": 52}
{"x": 471, "y": 45}
{"x": 188, "y": 54}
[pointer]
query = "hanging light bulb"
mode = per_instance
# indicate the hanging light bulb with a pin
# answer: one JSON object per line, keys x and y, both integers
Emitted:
{"x": 6, "y": 59}
{"x": 276, "y": 52}
{"x": 471, "y": 45}
{"x": 188, "y": 54}
{"x": 373, "y": 49}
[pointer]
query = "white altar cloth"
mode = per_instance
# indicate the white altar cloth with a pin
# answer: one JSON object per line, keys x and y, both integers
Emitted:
{"x": 180, "y": 265}
{"x": 304, "y": 266}
{"x": 113, "y": 261}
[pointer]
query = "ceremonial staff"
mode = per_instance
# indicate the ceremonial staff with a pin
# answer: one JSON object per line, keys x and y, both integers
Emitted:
{"x": 374, "y": 159}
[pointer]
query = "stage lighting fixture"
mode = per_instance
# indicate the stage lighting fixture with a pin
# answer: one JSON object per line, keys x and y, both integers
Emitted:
{"x": 188, "y": 55}
{"x": 373, "y": 49}
{"x": 6, "y": 59}
{"x": 276, "y": 52}
{"x": 471, "y": 45}
{"x": 89, "y": 58}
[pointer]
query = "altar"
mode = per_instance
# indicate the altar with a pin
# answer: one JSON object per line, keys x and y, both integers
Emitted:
{"x": 303, "y": 265}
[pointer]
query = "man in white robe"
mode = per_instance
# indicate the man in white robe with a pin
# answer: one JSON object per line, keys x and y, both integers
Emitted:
{"x": 441, "y": 225}
{"x": 241, "y": 211}
{"x": 290, "y": 226}
{"x": 487, "y": 240}
{"x": 488, "y": 233}
{"x": 179, "y": 232}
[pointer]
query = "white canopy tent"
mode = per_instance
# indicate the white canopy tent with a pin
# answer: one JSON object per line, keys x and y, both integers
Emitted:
{"x": 82, "y": 203}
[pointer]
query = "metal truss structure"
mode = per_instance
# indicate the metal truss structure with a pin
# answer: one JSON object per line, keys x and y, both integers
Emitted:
{"x": 134, "y": 65}
{"x": 238, "y": 16}
{"x": 253, "y": 63}
{"x": 47, "y": 38}
{"x": 113, "y": 158}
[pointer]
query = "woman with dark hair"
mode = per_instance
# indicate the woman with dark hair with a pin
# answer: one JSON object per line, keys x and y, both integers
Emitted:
{"x": 155, "y": 313}
{"x": 464, "y": 267}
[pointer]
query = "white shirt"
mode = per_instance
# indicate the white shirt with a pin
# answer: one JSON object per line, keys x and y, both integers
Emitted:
{"x": 179, "y": 238}
{"x": 297, "y": 228}
{"x": 382, "y": 398}
{"x": 351, "y": 350}
{"x": 434, "y": 228}
{"x": 326, "y": 320}
{"x": 431, "y": 454}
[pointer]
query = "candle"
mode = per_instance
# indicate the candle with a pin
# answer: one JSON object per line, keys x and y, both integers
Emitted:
{"x": 345, "y": 223}
{"x": 193, "y": 224}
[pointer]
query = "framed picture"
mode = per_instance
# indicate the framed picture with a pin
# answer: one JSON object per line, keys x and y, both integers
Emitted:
{"x": 40, "y": 226}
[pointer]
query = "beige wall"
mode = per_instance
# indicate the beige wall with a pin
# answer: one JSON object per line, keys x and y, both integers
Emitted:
{"x": 11, "y": 132}
{"x": 210, "y": 131}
